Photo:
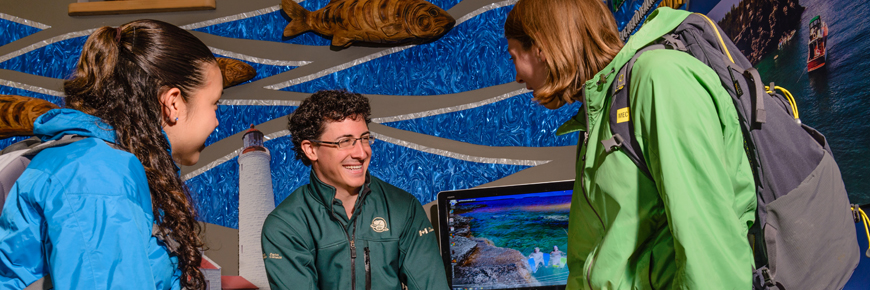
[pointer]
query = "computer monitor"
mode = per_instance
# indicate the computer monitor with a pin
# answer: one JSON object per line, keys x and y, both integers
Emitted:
{"x": 508, "y": 237}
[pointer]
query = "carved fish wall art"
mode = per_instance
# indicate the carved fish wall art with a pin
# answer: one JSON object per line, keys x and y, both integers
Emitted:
{"x": 18, "y": 113}
{"x": 235, "y": 71}
{"x": 373, "y": 21}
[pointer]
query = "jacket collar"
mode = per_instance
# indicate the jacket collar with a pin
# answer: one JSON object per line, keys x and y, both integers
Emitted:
{"x": 325, "y": 193}
{"x": 56, "y": 123}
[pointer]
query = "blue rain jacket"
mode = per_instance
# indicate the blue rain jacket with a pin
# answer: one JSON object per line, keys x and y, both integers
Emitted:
{"x": 82, "y": 212}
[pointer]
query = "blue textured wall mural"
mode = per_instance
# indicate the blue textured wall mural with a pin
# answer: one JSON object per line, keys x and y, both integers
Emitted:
{"x": 424, "y": 175}
{"x": 516, "y": 121}
{"x": 11, "y": 31}
{"x": 217, "y": 204}
{"x": 471, "y": 56}
{"x": 235, "y": 119}
{"x": 57, "y": 60}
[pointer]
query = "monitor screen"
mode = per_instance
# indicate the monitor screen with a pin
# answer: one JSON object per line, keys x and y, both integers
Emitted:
{"x": 512, "y": 237}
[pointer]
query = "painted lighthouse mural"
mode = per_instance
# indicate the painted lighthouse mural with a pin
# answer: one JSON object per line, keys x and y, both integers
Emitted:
{"x": 256, "y": 201}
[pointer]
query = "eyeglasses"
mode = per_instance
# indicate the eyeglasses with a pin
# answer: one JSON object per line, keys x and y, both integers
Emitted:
{"x": 348, "y": 142}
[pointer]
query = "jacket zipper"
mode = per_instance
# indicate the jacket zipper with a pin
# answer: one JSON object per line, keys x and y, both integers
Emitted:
{"x": 368, "y": 269}
{"x": 583, "y": 186}
{"x": 352, "y": 262}
{"x": 350, "y": 239}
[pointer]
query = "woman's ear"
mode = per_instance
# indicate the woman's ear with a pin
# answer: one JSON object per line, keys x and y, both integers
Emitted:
{"x": 539, "y": 53}
{"x": 308, "y": 149}
{"x": 172, "y": 103}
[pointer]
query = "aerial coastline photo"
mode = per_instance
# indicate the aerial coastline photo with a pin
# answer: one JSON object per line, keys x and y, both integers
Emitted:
{"x": 490, "y": 250}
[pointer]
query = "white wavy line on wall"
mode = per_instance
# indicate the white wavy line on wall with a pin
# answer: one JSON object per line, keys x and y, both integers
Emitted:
{"x": 337, "y": 68}
{"x": 483, "y": 9}
{"x": 20, "y": 20}
{"x": 454, "y": 155}
{"x": 259, "y": 103}
{"x": 27, "y": 87}
{"x": 46, "y": 42}
{"x": 379, "y": 54}
{"x": 254, "y": 59}
{"x": 450, "y": 109}
{"x": 276, "y": 135}
{"x": 231, "y": 18}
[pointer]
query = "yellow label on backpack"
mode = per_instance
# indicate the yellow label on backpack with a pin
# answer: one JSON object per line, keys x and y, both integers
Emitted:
{"x": 622, "y": 115}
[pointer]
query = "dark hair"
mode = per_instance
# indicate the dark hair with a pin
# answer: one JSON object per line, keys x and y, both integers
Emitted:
{"x": 119, "y": 78}
{"x": 308, "y": 121}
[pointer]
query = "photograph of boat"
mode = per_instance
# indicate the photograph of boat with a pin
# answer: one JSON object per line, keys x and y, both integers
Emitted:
{"x": 817, "y": 52}
{"x": 825, "y": 65}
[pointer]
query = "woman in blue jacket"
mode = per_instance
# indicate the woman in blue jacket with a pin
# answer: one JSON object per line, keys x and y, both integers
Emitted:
{"x": 111, "y": 211}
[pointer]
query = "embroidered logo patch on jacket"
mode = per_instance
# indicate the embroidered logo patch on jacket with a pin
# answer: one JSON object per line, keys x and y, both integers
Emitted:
{"x": 379, "y": 225}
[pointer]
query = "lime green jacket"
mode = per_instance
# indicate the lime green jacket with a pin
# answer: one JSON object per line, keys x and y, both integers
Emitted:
{"x": 686, "y": 228}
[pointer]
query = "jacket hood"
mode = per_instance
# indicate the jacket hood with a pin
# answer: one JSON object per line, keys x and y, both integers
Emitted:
{"x": 56, "y": 123}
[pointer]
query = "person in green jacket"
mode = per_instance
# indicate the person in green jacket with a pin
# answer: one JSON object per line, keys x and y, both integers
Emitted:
{"x": 686, "y": 228}
{"x": 346, "y": 229}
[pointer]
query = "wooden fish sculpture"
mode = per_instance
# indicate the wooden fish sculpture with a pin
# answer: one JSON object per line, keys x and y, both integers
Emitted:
{"x": 374, "y": 21}
{"x": 235, "y": 71}
{"x": 18, "y": 113}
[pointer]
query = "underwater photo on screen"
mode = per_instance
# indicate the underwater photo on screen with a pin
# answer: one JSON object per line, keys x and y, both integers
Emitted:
{"x": 510, "y": 241}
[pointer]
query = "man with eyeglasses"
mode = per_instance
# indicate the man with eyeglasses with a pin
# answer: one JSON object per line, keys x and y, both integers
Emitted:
{"x": 346, "y": 229}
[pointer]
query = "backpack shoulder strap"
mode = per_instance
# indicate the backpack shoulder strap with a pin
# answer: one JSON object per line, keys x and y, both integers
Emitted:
{"x": 66, "y": 139}
{"x": 15, "y": 158}
{"x": 21, "y": 145}
{"x": 620, "y": 116}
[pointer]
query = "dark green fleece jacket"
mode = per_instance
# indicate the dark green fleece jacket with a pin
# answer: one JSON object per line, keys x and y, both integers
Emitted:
{"x": 309, "y": 242}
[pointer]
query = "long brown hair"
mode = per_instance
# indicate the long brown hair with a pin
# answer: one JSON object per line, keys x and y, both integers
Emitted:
{"x": 119, "y": 77}
{"x": 577, "y": 37}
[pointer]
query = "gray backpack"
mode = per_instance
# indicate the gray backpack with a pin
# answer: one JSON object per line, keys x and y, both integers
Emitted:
{"x": 13, "y": 160}
{"x": 804, "y": 233}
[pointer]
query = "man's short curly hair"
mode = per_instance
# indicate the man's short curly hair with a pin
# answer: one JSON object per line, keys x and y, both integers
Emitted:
{"x": 309, "y": 120}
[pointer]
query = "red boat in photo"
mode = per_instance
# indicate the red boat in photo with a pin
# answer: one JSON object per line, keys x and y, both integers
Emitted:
{"x": 817, "y": 50}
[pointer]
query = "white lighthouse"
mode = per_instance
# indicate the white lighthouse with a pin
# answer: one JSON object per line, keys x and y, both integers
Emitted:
{"x": 256, "y": 201}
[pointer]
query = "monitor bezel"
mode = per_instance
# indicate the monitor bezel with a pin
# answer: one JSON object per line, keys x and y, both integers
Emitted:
{"x": 527, "y": 188}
